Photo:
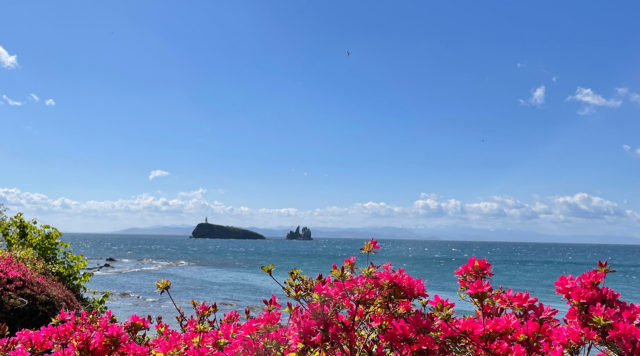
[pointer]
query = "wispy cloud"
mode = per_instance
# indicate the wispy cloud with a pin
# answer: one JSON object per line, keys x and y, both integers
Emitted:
{"x": 537, "y": 97}
{"x": 521, "y": 65}
{"x": 553, "y": 79}
{"x": 31, "y": 98}
{"x": 6, "y": 60}
{"x": 622, "y": 91}
{"x": 586, "y": 110}
{"x": 633, "y": 97}
{"x": 630, "y": 151}
{"x": 158, "y": 173}
{"x": 591, "y": 99}
{"x": 587, "y": 95}
{"x": 11, "y": 102}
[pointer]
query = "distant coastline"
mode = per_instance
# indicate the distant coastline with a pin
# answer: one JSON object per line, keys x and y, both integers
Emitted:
{"x": 402, "y": 233}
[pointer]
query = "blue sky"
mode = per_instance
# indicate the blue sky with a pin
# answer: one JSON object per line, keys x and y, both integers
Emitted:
{"x": 259, "y": 117}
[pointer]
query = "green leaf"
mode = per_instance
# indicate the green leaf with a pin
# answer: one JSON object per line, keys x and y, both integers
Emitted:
{"x": 267, "y": 269}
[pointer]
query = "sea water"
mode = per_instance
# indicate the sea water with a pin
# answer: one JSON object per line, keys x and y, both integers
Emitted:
{"x": 228, "y": 271}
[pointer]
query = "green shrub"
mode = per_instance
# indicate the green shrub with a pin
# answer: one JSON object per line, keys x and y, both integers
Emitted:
{"x": 19, "y": 233}
{"x": 3, "y": 217}
{"x": 40, "y": 248}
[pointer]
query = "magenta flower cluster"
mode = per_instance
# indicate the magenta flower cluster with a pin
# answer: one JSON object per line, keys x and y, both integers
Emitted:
{"x": 373, "y": 310}
{"x": 28, "y": 297}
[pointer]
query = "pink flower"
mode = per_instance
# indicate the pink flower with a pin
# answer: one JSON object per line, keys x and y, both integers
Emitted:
{"x": 375, "y": 311}
{"x": 350, "y": 263}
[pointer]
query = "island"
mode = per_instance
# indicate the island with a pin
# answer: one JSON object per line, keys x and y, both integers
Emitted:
{"x": 305, "y": 235}
{"x": 206, "y": 230}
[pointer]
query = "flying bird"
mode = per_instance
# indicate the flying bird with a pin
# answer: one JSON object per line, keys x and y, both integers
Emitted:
{"x": 347, "y": 53}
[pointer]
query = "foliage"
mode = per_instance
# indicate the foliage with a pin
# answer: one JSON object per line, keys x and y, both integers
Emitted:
{"x": 373, "y": 310}
{"x": 3, "y": 210}
{"x": 21, "y": 234}
{"x": 30, "y": 298}
{"x": 99, "y": 303}
{"x": 40, "y": 248}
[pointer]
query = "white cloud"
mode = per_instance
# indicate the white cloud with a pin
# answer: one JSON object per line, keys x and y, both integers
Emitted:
{"x": 587, "y": 95}
{"x": 630, "y": 151}
{"x": 587, "y": 110}
{"x": 633, "y": 97}
{"x": 537, "y": 96}
{"x": 11, "y": 102}
{"x": 521, "y": 65}
{"x": 622, "y": 91}
{"x": 50, "y": 102}
{"x": 573, "y": 214}
{"x": 585, "y": 206}
{"x": 158, "y": 173}
{"x": 591, "y": 99}
{"x": 553, "y": 79}
{"x": 6, "y": 60}
{"x": 35, "y": 97}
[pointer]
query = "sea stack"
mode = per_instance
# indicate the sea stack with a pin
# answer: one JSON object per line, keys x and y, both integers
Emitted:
{"x": 212, "y": 231}
{"x": 305, "y": 235}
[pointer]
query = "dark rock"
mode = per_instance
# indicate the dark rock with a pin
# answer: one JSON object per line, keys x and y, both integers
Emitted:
{"x": 255, "y": 308}
{"x": 106, "y": 265}
{"x": 305, "y": 235}
{"x": 212, "y": 231}
{"x": 294, "y": 235}
{"x": 110, "y": 259}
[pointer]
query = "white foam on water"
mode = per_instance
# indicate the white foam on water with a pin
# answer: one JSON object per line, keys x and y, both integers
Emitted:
{"x": 127, "y": 266}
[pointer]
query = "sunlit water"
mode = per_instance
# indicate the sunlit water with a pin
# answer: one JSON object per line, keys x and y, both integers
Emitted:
{"x": 228, "y": 271}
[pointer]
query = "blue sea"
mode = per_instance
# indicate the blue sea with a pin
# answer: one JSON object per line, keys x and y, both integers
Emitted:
{"x": 228, "y": 271}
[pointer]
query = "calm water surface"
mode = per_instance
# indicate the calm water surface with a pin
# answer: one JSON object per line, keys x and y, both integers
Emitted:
{"x": 228, "y": 271}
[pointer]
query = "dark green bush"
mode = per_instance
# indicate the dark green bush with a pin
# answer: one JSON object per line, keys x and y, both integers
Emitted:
{"x": 30, "y": 298}
{"x": 40, "y": 248}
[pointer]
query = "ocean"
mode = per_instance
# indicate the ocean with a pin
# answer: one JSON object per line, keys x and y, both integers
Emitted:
{"x": 228, "y": 271}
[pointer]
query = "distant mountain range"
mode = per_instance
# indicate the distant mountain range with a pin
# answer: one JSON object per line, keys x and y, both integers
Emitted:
{"x": 456, "y": 234}
{"x": 158, "y": 230}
